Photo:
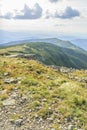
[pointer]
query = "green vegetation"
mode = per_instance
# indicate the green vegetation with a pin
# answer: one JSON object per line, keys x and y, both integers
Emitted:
{"x": 50, "y": 93}
{"x": 51, "y": 54}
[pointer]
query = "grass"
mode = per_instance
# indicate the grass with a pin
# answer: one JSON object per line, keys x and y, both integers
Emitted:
{"x": 3, "y": 97}
{"x": 51, "y": 94}
{"x": 15, "y": 117}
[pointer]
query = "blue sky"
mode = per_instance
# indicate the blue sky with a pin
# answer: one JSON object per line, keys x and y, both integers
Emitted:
{"x": 58, "y": 16}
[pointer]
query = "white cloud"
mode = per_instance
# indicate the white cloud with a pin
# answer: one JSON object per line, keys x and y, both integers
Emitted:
{"x": 68, "y": 13}
{"x": 28, "y": 13}
{"x": 25, "y": 13}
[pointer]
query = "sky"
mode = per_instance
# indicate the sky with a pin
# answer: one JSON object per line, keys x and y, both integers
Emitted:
{"x": 58, "y": 16}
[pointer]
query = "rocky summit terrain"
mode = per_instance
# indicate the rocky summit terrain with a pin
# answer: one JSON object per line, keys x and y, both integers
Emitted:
{"x": 34, "y": 96}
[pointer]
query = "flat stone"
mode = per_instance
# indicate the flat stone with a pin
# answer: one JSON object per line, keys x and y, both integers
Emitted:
{"x": 8, "y": 102}
{"x": 3, "y": 91}
{"x": 50, "y": 119}
{"x": 15, "y": 95}
{"x": 10, "y": 80}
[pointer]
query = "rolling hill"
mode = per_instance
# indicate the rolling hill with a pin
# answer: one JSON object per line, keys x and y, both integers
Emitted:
{"x": 57, "y": 53}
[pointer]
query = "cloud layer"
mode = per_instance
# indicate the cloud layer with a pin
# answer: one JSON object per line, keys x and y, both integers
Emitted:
{"x": 68, "y": 13}
{"x": 53, "y": 1}
{"x": 36, "y": 12}
{"x": 26, "y": 13}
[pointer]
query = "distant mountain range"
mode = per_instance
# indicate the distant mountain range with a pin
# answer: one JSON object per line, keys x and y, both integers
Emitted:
{"x": 8, "y": 37}
{"x": 78, "y": 42}
{"x": 81, "y": 43}
{"x": 50, "y": 51}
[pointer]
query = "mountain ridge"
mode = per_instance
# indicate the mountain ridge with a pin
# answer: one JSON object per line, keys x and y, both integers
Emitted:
{"x": 55, "y": 41}
{"x": 51, "y": 54}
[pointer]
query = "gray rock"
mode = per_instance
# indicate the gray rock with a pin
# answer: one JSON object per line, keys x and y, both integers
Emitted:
{"x": 10, "y": 80}
{"x": 19, "y": 122}
{"x": 6, "y": 74}
{"x": 14, "y": 96}
{"x": 23, "y": 99}
{"x": 69, "y": 119}
{"x": 71, "y": 127}
{"x": 50, "y": 120}
{"x": 8, "y": 102}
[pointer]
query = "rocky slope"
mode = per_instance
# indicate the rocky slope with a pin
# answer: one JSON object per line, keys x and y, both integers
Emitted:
{"x": 38, "y": 97}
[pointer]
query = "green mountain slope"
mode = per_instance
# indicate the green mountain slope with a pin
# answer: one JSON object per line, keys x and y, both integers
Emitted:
{"x": 55, "y": 41}
{"x": 51, "y": 54}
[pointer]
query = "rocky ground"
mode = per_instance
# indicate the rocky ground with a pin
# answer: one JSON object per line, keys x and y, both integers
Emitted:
{"x": 45, "y": 103}
{"x": 15, "y": 114}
